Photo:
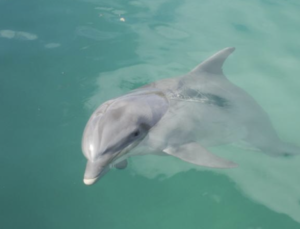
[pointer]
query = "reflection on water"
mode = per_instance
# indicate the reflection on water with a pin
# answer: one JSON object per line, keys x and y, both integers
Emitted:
{"x": 95, "y": 34}
{"x": 52, "y": 45}
{"x": 18, "y": 35}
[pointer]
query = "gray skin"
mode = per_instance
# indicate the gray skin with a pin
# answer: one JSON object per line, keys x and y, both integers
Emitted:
{"x": 178, "y": 117}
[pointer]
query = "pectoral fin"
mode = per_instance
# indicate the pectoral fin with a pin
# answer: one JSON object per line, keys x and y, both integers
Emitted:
{"x": 121, "y": 164}
{"x": 196, "y": 154}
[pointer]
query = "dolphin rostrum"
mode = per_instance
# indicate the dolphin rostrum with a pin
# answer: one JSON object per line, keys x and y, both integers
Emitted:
{"x": 179, "y": 117}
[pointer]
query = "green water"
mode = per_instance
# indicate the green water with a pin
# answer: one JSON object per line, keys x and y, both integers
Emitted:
{"x": 60, "y": 59}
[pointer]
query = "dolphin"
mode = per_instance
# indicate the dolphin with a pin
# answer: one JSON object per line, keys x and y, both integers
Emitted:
{"x": 180, "y": 117}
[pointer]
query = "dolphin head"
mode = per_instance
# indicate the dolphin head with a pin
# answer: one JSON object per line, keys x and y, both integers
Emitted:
{"x": 116, "y": 127}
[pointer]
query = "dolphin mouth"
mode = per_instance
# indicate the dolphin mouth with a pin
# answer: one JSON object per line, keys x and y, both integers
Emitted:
{"x": 91, "y": 181}
{"x": 93, "y": 172}
{"x": 97, "y": 169}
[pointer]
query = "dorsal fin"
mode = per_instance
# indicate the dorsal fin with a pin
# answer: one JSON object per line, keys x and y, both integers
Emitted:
{"x": 214, "y": 64}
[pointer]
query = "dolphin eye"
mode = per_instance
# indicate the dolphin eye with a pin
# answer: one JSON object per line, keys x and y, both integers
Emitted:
{"x": 136, "y": 133}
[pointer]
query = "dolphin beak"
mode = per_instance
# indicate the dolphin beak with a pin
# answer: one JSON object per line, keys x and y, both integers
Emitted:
{"x": 94, "y": 171}
{"x": 87, "y": 181}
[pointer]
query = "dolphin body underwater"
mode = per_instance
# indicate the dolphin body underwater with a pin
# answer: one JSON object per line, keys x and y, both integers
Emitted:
{"x": 178, "y": 117}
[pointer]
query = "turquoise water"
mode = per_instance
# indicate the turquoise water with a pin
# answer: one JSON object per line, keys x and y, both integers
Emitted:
{"x": 60, "y": 59}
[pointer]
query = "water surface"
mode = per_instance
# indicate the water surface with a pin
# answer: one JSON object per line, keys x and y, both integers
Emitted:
{"x": 60, "y": 59}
